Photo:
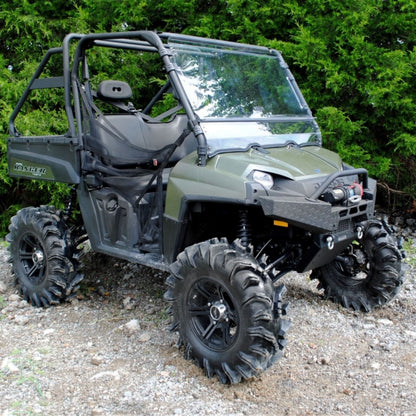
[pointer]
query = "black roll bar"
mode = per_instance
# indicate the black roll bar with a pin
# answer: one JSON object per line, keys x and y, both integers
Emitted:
{"x": 124, "y": 40}
{"x": 35, "y": 83}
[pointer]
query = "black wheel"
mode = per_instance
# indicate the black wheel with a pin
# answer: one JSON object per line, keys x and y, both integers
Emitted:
{"x": 226, "y": 311}
{"x": 42, "y": 256}
{"x": 367, "y": 275}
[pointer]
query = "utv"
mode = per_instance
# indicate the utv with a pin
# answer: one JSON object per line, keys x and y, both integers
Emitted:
{"x": 201, "y": 158}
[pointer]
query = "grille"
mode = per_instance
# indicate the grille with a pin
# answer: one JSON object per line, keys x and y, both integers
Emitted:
{"x": 344, "y": 225}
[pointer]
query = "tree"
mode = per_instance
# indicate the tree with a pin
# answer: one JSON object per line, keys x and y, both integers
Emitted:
{"x": 354, "y": 61}
{"x": 356, "y": 65}
{"x": 28, "y": 30}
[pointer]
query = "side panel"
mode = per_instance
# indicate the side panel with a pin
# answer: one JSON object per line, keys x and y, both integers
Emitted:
{"x": 113, "y": 226}
{"x": 50, "y": 158}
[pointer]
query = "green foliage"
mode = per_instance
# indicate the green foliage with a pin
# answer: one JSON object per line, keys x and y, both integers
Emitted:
{"x": 354, "y": 61}
{"x": 358, "y": 58}
{"x": 345, "y": 137}
{"x": 410, "y": 249}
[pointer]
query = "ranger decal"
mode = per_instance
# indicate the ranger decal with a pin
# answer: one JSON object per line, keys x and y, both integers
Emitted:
{"x": 32, "y": 170}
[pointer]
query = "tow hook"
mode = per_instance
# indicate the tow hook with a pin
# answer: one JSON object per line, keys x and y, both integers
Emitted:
{"x": 330, "y": 242}
{"x": 360, "y": 232}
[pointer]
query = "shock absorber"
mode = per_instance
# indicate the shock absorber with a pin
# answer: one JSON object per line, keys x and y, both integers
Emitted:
{"x": 70, "y": 203}
{"x": 244, "y": 229}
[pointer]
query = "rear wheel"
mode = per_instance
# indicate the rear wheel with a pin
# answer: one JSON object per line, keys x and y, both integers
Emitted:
{"x": 42, "y": 256}
{"x": 367, "y": 275}
{"x": 226, "y": 311}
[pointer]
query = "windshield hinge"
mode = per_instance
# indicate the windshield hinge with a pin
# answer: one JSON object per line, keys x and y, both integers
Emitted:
{"x": 260, "y": 149}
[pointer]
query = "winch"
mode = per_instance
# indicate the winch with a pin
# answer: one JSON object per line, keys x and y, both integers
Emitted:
{"x": 344, "y": 194}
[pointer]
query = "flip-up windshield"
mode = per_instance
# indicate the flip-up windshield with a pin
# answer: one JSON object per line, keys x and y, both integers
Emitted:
{"x": 243, "y": 99}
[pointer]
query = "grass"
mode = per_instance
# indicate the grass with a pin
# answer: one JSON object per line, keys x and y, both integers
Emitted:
{"x": 410, "y": 249}
{"x": 29, "y": 370}
{"x": 2, "y": 305}
{"x": 28, "y": 377}
{"x": 20, "y": 408}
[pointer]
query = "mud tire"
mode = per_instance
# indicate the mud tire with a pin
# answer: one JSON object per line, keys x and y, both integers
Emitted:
{"x": 215, "y": 279}
{"x": 42, "y": 255}
{"x": 375, "y": 284}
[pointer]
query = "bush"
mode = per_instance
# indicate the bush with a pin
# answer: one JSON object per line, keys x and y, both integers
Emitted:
{"x": 354, "y": 61}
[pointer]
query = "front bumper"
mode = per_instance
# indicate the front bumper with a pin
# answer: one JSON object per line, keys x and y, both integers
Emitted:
{"x": 318, "y": 216}
{"x": 332, "y": 227}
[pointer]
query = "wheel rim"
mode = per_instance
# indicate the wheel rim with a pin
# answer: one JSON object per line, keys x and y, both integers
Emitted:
{"x": 32, "y": 258}
{"x": 213, "y": 314}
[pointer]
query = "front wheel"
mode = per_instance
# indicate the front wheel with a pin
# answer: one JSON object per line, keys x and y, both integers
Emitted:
{"x": 367, "y": 275}
{"x": 226, "y": 311}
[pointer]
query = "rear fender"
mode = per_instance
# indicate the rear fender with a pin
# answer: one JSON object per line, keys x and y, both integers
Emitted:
{"x": 50, "y": 158}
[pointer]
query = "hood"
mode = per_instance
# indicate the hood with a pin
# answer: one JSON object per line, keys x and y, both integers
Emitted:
{"x": 291, "y": 162}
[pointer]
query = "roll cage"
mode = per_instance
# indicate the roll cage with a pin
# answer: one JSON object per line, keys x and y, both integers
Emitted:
{"x": 75, "y": 69}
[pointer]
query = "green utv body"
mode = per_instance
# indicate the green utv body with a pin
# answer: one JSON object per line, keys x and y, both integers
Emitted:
{"x": 198, "y": 157}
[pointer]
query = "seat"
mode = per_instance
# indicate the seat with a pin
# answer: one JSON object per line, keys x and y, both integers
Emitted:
{"x": 128, "y": 138}
{"x": 114, "y": 90}
{"x": 116, "y": 93}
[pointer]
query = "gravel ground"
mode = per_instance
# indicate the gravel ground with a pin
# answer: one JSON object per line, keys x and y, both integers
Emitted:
{"x": 109, "y": 352}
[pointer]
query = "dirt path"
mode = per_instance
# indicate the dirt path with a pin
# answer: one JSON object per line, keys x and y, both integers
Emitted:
{"x": 109, "y": 352}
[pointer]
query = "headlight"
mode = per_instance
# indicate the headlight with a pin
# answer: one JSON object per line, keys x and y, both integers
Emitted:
{"x": 263, "y": 178}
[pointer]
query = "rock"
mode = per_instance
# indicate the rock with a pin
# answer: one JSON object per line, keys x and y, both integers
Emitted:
{"x": 128, "y": 303}
{"x": 325, "y": 360}
{"x": 144, "y": 337}
{"x": 128, "y": 276}
{"x": 21, "y": 319}
{"x": 385, "y": 322}
{"x": 132, "y": 326}
{"x": 347, "y": 392}
{"x": 389, "y": 346}
{"x": 23, "y": 304}
{"x": 113, "y": 374}
{"x": 8, "y": 366}
{"x": 410, "y": 222}
{"x": 375, "y": 365}
{"x": 3, "y": 287}
{"x": 374, "y": 343}
{"x": 128, "y": 395}
{"x": 101, "y": 291}
{"x": 97, "y": 359}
